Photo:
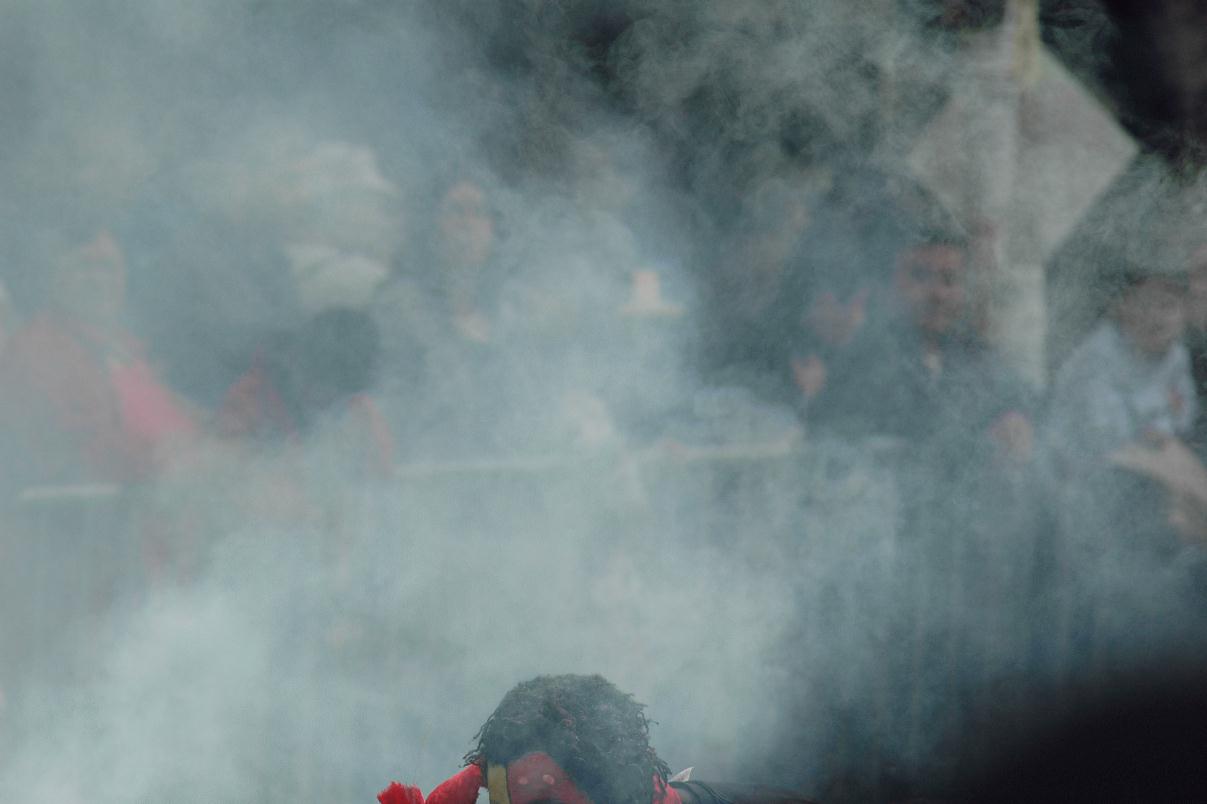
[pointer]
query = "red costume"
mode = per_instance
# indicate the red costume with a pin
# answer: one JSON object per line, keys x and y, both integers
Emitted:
{"x": 600, "y": 738}
{"x": 531, "y": 778}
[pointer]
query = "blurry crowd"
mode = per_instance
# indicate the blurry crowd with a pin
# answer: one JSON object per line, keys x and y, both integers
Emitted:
{"x": 866, "y": 321}
{"x": 862, "y": 321}
{"x": 91, "y": 402}
{"x": 331, "y": 329}
{"x": 1048, "y": 538}
{"x": 157, "y": 394}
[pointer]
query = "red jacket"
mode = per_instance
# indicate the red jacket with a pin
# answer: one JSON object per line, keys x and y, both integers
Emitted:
{"x": 78, "y": 407}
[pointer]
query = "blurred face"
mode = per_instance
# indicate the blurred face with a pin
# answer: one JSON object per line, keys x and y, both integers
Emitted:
{"x": 930, "y": 281}
{"x": 89, "y": 282}
{"x": 465, "y": 225}
{"x": 1151, "y": 315}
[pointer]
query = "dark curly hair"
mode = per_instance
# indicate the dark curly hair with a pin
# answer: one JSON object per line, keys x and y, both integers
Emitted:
{"x": 597, "y": 733}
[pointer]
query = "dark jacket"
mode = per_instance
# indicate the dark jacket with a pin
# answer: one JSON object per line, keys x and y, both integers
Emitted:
{"x": 709, "y": 793}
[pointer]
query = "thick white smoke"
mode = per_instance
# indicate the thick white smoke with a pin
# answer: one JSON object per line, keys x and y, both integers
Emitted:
{"x": 583, "y": 496}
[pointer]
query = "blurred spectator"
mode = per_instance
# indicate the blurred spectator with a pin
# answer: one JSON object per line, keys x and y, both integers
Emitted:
{"x": 920, "y": 373}
{"x": 925, "y": 376}
{"x": 268, "y": 228}
{"x": 1123, "y": 494}
{"x": 754, "y": 274}
{"x": 465, "y": 241}
{"x": 322, "y": 370}
{"x": 831, "y": 324}
{"x": 438, "y": 317}
{"x": 80, "y": 402}
{"x": 841, "y": 274}
{"x": 445, "y": 286}
{"x": 1127, "y": 385}
{"x": 1177, "y": 467}
{"x": 837, "y": 303}
{"x": 1130, "y": 379}
{"x": 958, "y": 423}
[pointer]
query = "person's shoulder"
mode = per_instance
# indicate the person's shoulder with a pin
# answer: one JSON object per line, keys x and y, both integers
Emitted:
{"x": 1103, "y": 340}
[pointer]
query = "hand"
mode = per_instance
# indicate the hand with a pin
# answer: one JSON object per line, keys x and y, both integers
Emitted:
{"x": 1168, "y": 461}
{"x": 810, "y": 375}
{"x": 1014, "y": 437}
{"x": 1188, "y": 517}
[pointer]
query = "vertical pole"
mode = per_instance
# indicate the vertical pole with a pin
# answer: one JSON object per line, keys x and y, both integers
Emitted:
{"x": 1017, "y": 311}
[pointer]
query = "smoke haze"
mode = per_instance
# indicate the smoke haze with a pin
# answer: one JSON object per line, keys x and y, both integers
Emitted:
{"x": 600, "y": 491}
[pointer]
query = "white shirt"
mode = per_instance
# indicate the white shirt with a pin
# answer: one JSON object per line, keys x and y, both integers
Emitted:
{"x": 1108, "y": 394}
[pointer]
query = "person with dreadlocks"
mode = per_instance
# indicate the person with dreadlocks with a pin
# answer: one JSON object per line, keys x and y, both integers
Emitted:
{"x": 573, "y": 739}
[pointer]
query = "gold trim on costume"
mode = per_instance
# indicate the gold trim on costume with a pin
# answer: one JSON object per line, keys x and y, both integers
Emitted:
{"x": 496, "y": 784}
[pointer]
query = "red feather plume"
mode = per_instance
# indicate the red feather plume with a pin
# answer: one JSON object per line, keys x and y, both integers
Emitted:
{"x": 397, "y": 794}
{"x": 461, "y": 789}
